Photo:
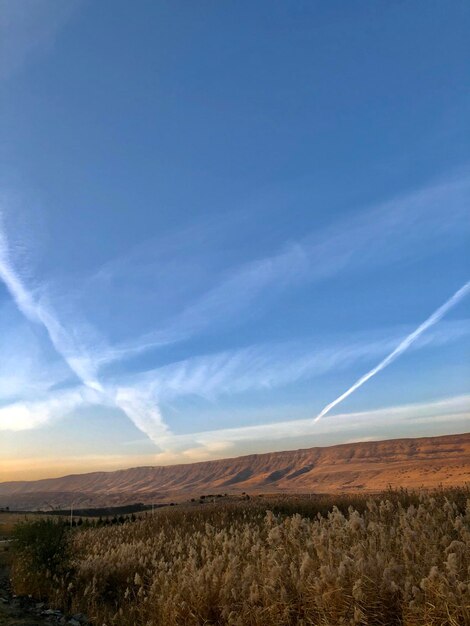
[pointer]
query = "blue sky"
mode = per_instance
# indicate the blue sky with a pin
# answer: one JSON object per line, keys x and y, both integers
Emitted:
{"x": 216, "y": 217}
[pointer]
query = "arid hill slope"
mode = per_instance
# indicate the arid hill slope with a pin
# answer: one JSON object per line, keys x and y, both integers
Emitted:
{"x": 367, "y": 466}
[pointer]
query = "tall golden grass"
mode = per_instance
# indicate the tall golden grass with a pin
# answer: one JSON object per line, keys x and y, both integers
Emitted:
{"x": 395, "y": 559}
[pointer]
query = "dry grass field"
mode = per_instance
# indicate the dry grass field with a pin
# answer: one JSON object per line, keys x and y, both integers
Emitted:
{"x": 395, "y": 559}
{"x": 9, "y": 520}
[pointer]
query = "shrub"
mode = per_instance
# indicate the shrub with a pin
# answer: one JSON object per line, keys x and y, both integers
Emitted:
{"x": 41, "y": 554}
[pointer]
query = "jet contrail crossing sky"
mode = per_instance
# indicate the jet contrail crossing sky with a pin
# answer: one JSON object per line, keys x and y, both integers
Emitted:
{"x": 402, "y": 346}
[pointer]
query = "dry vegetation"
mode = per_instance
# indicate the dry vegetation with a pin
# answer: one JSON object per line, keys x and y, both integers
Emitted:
{"x": 8, "y": 521}
{"x": 395, "y": 559}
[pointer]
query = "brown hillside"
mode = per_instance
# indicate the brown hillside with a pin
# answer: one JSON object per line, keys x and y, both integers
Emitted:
{"x": 367, "y": 466}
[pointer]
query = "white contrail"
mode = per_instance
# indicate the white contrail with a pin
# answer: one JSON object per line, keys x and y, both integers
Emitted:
{"x": 38, "y": 313}
{"x": 140, "y": 410}
{"x": 402, "y": 346}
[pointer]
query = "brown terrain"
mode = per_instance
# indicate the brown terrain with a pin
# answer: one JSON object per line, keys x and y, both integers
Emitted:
{"x": 368, "y": 466}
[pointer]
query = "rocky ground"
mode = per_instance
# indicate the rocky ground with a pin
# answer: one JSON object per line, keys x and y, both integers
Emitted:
{"x": 16, "y": 611}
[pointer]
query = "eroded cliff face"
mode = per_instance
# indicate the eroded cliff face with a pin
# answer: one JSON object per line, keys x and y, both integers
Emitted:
{"x": 367, "y": 466}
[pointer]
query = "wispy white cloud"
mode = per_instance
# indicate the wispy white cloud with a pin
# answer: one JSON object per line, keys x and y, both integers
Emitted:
{"x": 431, "y": 418}
{"x": 211, "y": 377}
{"x": 26, "y": 415}
{"x": 275, "y": 365}
{"x": 38, "y": 312}
{"x": 408, "y": 226}
{"x": 419, "y": 419}
{"x": 377, "y": 236}
{"x": 143, "y": 410}
{"x": 27, "y": 367}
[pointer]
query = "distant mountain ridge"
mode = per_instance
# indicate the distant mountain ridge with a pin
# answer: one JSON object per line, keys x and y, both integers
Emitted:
{"x": 364, "y": 466}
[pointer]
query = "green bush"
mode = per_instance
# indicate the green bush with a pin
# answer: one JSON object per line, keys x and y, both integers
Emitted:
{"x": 41, "y": 555}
